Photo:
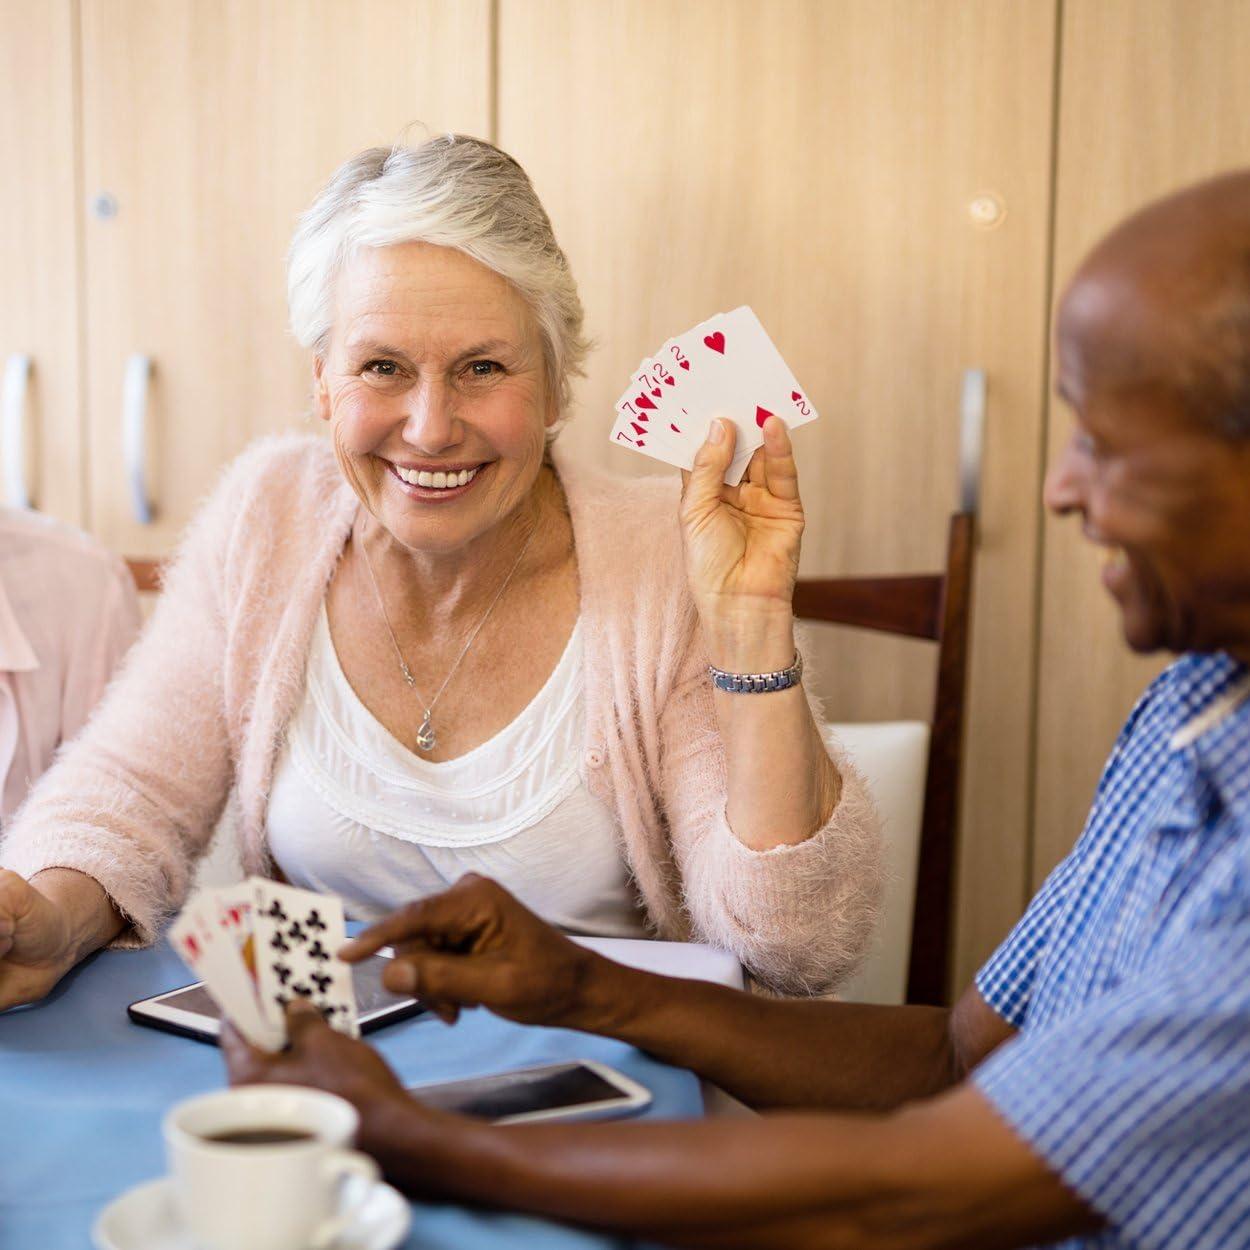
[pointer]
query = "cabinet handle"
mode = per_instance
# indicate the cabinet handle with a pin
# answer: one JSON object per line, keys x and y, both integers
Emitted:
{"x": 135, "y": 433}
{"x": 17, "y": 371}
{"x": 971, "y": 439}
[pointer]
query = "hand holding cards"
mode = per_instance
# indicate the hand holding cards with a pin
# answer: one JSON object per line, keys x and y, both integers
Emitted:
{"x": 258, "y": 945}
{"x": 726, "y": 366}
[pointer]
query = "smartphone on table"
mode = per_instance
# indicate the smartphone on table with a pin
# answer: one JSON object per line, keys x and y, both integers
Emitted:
{"x": 580, "y": 1089}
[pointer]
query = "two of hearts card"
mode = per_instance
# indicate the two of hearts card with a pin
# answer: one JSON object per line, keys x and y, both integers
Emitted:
{"x": 258, "y": 945}
{"x": 726, "y": 366}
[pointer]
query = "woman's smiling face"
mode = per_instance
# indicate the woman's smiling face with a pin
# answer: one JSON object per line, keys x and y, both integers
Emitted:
{"x": 434, "y": 374}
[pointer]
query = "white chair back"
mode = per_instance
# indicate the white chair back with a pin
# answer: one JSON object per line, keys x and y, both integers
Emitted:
{"x": 893, "y": 756}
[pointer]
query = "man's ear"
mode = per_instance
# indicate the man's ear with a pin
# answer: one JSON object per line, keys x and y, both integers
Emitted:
{"x": 321, "y": 392}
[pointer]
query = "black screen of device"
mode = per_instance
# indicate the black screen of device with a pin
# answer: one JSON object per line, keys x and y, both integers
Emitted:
{"x": 371, "y": 994}
{"x": 515, "y": 1093}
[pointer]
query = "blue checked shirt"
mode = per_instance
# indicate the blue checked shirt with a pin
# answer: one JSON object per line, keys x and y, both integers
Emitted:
{"x": 1128, "y": 979}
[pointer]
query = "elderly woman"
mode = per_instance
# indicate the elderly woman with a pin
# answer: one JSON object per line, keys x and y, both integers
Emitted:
{"x": 431, "y": 645}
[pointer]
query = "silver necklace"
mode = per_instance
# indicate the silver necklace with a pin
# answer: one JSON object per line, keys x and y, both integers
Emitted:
{"x": 427, "y": 740}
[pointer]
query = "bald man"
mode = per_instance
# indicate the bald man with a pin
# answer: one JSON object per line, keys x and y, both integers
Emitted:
{"x": 1094, "y": 1083}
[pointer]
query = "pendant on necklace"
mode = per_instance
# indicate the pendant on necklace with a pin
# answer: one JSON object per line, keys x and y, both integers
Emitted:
{"x": 426, "y": 741}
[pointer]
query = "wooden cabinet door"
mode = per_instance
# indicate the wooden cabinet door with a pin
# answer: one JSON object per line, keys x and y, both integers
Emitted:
{"x": 1154, "y": 95}
{"x": 872, "y": 177}
{"x": 209, "y": 125}
{"x": 39, "y": 246}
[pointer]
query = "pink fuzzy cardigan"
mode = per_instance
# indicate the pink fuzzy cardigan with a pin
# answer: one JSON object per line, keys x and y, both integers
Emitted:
{"x": 195, "y": 719}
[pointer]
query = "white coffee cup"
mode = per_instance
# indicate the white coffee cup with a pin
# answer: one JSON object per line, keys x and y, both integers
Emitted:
{"x": 285, "y": 1195}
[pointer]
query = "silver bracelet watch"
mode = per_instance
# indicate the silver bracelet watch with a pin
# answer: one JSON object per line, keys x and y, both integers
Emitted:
{"x": 757, "y": 683}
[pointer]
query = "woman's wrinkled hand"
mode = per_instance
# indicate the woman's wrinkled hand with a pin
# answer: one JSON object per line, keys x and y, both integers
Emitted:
{"x": 35, "y": 943}
{"x": 742, "y": 542}
{"x": 475, "y": 945}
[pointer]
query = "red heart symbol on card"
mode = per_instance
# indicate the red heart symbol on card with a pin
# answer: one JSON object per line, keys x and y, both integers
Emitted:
{"x": 643, "y": 402}
{"x": 675, "y": 428}
{"x": 643, "y": 416}
{"x": 670, "y": 380}
{"x": 761, "y": 415}
{"x": 655, "y": 390}
{"x": 715, "y": 341}
{"x": 685, "y": 364}
{"x": 795, "y": 395}
{"x": 638, "y": 429}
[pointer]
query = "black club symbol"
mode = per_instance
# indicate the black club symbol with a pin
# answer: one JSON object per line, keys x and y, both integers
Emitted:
{"x": 279, "y": 943}
{"x": 317, "y": 951}
{"x": 275, "y": 910}
{"x": 296, "y": 932}
{"x": 302, "y": 990}
{"x": 282, "y": 972}
{"x": 282, "y": 1000}
{"x": 313, "y": 920}
{"x": 328, "y": 1011}
{"x": 321, "y": 981}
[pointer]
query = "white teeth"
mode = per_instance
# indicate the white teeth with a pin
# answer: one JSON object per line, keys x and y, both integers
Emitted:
{"x": 436, "y": 481}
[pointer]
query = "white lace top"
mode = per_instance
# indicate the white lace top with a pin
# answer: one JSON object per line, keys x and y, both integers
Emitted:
{"x": 354, "y": 812}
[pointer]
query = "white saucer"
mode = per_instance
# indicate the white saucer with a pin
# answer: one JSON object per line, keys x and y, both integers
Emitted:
{"x": 146, "y": 1218}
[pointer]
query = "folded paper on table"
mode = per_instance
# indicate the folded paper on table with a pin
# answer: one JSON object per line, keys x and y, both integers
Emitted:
{"x": 694, "y": 960}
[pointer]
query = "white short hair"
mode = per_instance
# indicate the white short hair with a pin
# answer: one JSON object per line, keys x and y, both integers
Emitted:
{"x": 452, "y": 191}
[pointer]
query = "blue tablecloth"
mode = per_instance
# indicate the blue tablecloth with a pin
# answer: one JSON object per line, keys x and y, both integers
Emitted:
{"x": 83, "y": 1090}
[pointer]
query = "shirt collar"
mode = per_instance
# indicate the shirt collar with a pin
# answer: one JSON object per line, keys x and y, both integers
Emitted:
{"x": 1217, "y": 734}
{"x": 16, "y": 653}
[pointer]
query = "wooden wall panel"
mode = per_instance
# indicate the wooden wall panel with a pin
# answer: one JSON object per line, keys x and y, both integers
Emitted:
{"x": 1154, "y": 94}
{"x": 818, "y": 159}
{"x": 39, "y": 310}
{"x": 212, "y": 125}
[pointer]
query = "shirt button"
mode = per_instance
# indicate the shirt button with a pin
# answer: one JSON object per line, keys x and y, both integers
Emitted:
{"x": 594, "y": 757}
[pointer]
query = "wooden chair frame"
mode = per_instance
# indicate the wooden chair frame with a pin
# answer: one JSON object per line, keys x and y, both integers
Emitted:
{"x": 933, "y": 606}
{"x": 937, "y": 607}
{"x": 146, "y": 574}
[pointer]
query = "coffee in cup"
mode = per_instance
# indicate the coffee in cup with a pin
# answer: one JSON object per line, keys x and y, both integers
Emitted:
{"x": 259, "y": 1136}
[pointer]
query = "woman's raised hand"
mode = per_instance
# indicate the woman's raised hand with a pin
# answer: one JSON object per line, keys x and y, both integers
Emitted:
{"x": 742, "y": 545}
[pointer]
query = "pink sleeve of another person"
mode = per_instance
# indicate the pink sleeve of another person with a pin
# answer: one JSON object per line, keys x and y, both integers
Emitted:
{"x": 109, "y": 621}
{"x": 132, "y": 798}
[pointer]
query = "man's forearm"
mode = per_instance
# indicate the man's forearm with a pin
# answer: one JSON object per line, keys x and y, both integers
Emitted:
{"x": 697, "y": 1176}
{"x": 775, "y": 1053}
{"x": 948, "y": 1173}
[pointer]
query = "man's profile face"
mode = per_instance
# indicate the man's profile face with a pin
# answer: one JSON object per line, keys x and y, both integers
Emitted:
{"x": 1155, "y": 485}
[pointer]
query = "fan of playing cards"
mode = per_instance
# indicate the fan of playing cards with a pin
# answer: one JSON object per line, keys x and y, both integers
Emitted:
{"x": 724, "y": 367}
{"x": 257, "y": 945}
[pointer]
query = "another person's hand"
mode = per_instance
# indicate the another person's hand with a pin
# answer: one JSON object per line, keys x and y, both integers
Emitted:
{"x": 318, "y": 1056}
{"x": 36, "y": 942}
{"x": 742, "y": 542}
{"x": 475, "y": 946}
